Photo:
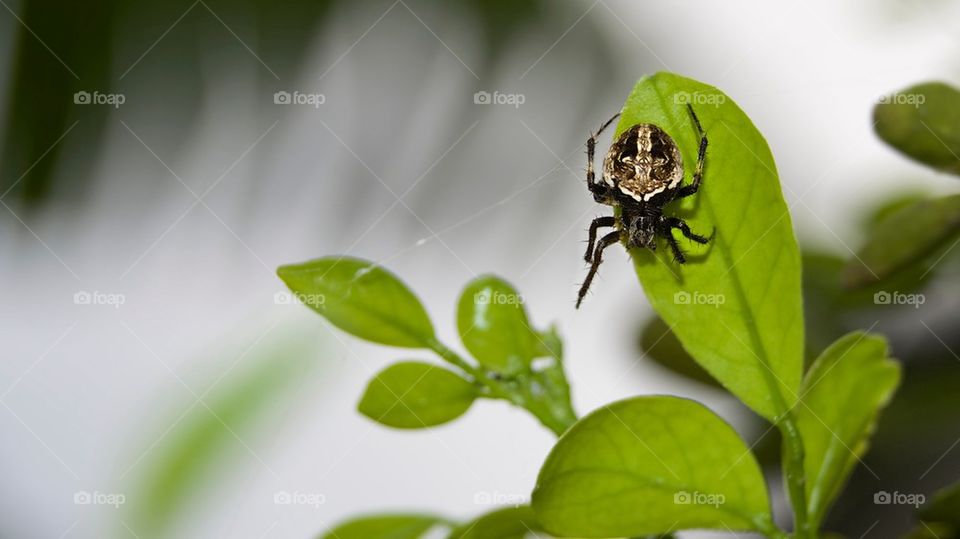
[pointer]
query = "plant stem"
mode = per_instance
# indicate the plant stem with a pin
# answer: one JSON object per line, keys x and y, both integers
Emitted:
{"x": 555, "y": 418}
{"x": 793, "y": 471}
{"x": 496, "y": 389}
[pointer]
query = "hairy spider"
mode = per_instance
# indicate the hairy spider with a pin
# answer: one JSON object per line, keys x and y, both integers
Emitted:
{"x": 642, "y": 172}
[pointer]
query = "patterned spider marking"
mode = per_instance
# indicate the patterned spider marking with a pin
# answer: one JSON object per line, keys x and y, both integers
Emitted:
{"x": 643, "y": 162}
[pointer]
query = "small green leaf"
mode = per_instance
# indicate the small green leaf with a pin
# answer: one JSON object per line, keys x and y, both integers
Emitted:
{"x": 736, "y": 304}
{"x": 944, "y": 508}
{"x": 494, "y": 327}
{"x": 905, "y": 238}
{"x": 842, "y": 394}
{"x": 923, "y": 122}
{"x": 362, "y": 299}
{"x": 385, "y": 527}
{"x": 650, "y": 465}
{"x": 510, "y": 523}
{"x": 414, "y": 395}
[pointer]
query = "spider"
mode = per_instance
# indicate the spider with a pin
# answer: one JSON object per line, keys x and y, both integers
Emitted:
{"x": 642, "y": 172}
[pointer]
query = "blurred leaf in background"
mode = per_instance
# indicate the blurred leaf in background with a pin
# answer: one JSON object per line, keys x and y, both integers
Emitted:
{"x": 923, "y": 123}
{"x": 944, "y": 509}
{"x": 60, "y": 48}
{"x": 207, "y": 444}
{"x": 905, "y": 237}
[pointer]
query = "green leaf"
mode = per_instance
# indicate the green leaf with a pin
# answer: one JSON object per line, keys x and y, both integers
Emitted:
{"x": 385, "y": 527}
{"x": 736, "y": 304}
{"x": 944, "y": 508}
{"x": 362, "y": 299}
{"x": 842, "y": 395}
{"x": 923, "y": 122}
{"x": 413, "y": 395}
{"x": 510, "y": 523}
{"x": 903, "y": 239}
{"x": 494, "y": 327}
{"x": 650, "y": 465}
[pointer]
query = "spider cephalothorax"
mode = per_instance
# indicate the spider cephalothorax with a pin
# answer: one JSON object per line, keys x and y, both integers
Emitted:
{"x": 642, "y": 172}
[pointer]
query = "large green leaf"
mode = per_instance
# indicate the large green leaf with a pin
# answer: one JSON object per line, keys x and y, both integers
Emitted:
{"x": 385, "y": 527}
{"x": 842, "y": 394}
{"x": 510, "y": 523}
{"x": 494, "y": 327}
{"x": 413, "y": 395}
{"x": 904, "y": 238}
{"x": 362, "y": 299}
{"x": 923, "y": 122}
{"x": 650, "y": 465}
{"x": 736, "y": 304}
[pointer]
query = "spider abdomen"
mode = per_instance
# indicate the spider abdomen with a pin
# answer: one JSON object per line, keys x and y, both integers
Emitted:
{"x": 643, "y": 162}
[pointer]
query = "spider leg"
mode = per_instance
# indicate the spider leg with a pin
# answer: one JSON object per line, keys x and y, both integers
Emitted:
{"x": 688, "y": 190}
{"x": 594, "y": 187}
{"x": 605, "y": 242}
{"x": 665, "y": 228}
{"x": 681, "y": 225}
{"x": 592, "y": 236}
{"x": 677, "y": 253}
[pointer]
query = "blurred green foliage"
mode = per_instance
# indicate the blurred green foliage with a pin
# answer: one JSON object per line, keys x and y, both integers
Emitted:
{"x": 203, "y": 447}
{"x": 923, "y": 122}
